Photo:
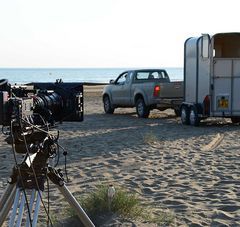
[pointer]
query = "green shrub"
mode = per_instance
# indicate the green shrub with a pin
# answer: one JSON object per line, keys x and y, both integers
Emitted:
{"x": 125, "y": 204}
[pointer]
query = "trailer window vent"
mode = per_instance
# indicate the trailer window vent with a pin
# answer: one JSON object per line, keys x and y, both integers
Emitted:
{"x": 205, "y": 45}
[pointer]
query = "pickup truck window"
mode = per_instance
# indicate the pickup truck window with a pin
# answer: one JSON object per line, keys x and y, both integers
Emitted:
{"x": 122, "y": 79}
{"x": 151, "y": 75}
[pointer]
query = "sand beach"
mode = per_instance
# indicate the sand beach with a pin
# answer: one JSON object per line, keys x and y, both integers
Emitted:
{"x": 191, "y": 172}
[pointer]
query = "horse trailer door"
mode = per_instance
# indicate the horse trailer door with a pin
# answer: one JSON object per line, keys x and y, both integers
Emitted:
{"x": 226, "y": 87}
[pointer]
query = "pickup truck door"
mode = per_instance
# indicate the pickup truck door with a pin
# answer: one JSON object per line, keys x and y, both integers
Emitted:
{"x": 121, "y": 89}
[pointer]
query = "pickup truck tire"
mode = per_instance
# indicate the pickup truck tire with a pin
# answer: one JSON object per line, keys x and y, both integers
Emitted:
{"x": 185, "y": 115}
{"x": 107, "y": 105}
{"x": 193, "y": 117}
{"x": 142, "y": 110}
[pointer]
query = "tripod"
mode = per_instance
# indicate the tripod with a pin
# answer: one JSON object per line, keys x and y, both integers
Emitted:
{"x": 15, "y": 196}
{"x": 32, "y": 174}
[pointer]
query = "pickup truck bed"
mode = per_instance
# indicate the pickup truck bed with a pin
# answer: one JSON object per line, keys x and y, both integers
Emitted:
{"x": 145, "y": 89}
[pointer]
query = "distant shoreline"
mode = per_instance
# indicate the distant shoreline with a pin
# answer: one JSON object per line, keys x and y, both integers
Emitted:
{"x": 93, "y": 84}
{"x": 86, "y": 76}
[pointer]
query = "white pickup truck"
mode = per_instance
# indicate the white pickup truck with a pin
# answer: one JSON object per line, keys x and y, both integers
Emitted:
{"x": 145, "y": 89}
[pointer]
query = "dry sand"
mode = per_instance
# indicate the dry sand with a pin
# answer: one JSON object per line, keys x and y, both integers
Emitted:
{"x": 192, "y": 172}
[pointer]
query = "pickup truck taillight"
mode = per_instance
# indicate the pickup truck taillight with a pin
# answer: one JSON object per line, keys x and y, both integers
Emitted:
{"x": 156, "y": 91}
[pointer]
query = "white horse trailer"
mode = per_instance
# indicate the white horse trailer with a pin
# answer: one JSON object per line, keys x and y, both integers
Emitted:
{"x": 211, "y": 78}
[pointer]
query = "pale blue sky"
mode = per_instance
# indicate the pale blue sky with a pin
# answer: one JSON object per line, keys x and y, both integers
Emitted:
{"x": 107, "y": 33}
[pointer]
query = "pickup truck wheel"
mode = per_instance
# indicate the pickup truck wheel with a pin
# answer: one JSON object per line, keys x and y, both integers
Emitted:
{"x": 193, "y": 117}
{"x": 185, "y": 115}
{"x": 142, "y": 110}
{"x": 107, "y": 105}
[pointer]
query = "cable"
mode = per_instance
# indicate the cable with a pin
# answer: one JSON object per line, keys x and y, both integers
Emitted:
{"x": 58, "y": 156}
{"x": 58, "y": 145}
{"x": 44, "y": 122}
{"x": 65, "y": 164}
{"x": 35, "y": 177}
{"x": 20, "y": 174}
{"x": 47, "y": 132}
{"x": 34, "y": 126}
{"x": 65, "y": 160}
{"x": 34, "y": 174}
{"x": 48, "y": 199}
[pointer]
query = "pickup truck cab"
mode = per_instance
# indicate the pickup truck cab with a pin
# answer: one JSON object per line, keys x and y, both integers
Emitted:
{"x": 145, "y": 89}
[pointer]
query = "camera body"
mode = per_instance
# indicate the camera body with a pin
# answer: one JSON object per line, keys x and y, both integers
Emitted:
{"x": 55, "y": 102}
{"x": 14, "y": 108}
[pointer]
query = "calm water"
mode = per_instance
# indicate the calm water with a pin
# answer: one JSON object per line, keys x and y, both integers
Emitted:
{"x": 92, "y": 75}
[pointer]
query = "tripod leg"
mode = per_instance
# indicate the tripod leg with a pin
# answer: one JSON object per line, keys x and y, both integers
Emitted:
{"x": 21, "y": 209}
{"x": 6, "y": 203}
{"x": 75, "y": 205}
{"x": 15, "y": 206}
{"x": 36, "y": 210}
{"x": 32, "y": 199}
{"x": 6, "y": 195}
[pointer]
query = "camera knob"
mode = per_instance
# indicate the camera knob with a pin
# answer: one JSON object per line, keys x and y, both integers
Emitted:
{"x": 10, "y": 180}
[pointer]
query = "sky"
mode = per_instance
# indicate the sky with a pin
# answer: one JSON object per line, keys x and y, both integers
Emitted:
{"x": 107, "y": 33}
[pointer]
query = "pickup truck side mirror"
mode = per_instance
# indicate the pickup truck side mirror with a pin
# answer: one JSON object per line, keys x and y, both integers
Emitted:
{"x": 111, "y": 81}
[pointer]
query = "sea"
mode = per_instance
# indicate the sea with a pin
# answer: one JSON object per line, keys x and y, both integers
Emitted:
{"x": 85, "y": 75}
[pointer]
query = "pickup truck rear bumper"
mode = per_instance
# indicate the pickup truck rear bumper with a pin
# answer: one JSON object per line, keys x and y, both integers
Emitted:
{"x": 168, "y": 103}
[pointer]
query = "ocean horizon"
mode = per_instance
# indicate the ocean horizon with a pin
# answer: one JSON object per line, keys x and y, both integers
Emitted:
{"x": 85, "y": 75}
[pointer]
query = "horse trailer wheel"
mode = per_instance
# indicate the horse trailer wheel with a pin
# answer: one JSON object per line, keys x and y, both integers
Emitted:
{"x": 193, "y": 117}
{"x": 185, "y": 115}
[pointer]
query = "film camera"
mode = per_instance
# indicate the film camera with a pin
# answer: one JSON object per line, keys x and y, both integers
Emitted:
{"x": 25, "y": 108}
{"x": 27, "y": 113}
{"x": 53, "y": 101}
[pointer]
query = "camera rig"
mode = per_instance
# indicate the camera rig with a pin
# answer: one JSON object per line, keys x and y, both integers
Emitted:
{"x": 28, "y": 111}
{"x": 29, "y": 107}
{"x": 53, "y": 101}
